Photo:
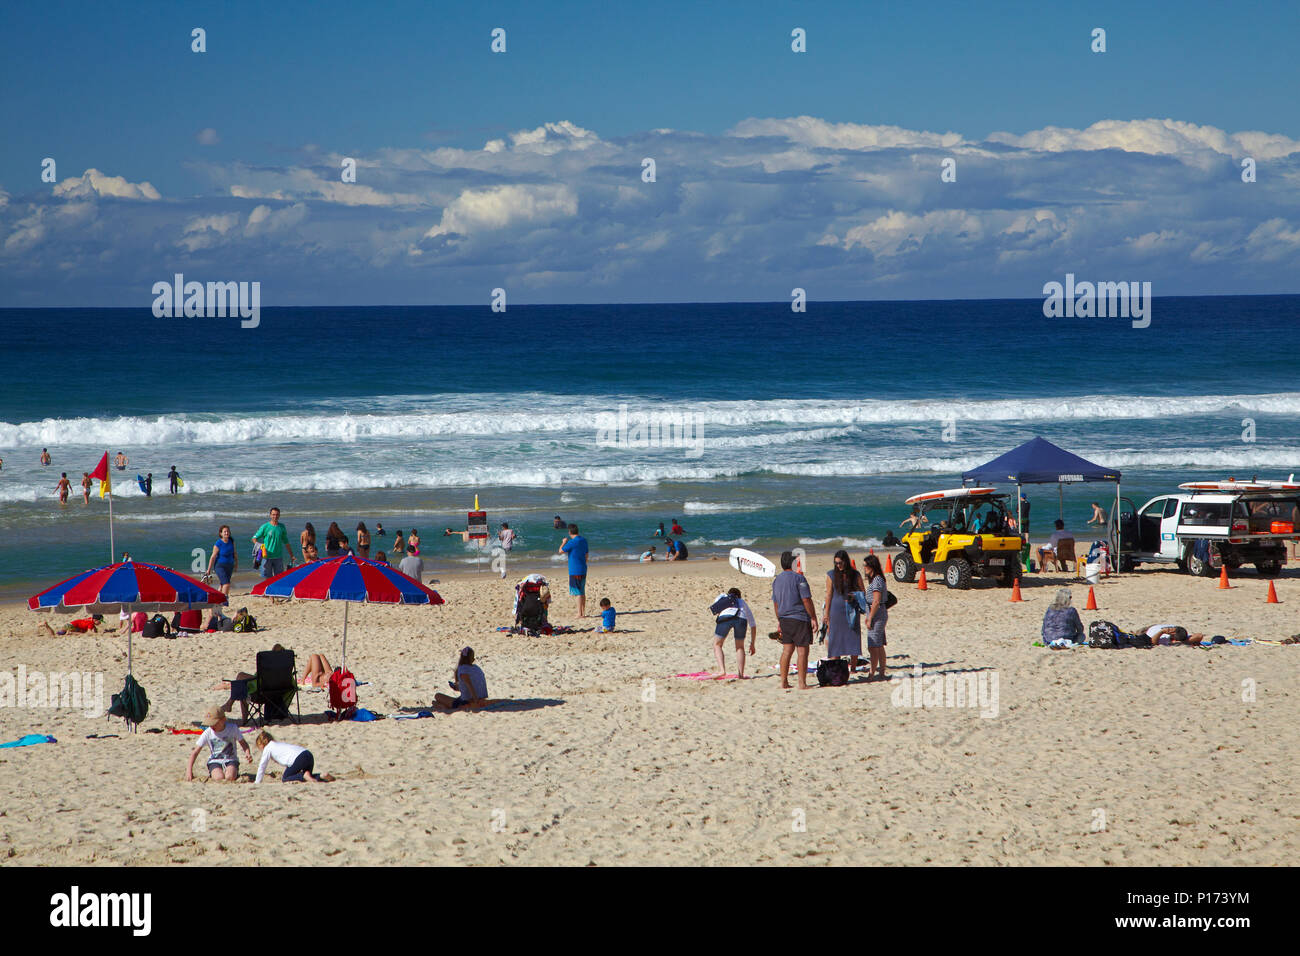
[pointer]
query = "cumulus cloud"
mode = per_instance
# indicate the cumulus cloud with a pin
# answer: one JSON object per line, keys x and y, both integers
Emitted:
{"x": 845, "y": 210}
{"x": 476, "y": 210}
{"x": 93, "y": 183}
{"x": 207, "y": 137}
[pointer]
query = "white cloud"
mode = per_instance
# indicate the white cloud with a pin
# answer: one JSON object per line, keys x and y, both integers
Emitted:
{"x": 263, "y": 220}
{"x": 475, "y": 210}
{"x": 896, "y": 233}
{"x": 204, "y": 232}
{"x": 1165, "y": 137}
{"x": 93, "y": 183}
{"x": 811, "y": 131}
{"x": 207, "y": 137}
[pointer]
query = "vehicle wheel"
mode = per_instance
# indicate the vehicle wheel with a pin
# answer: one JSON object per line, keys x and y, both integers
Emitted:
{"x": 1269, "y": 568}
{"x": 1126, "y": 564}
{"x": 957, "y": 574}
{"x": 1199, "y": 568}
{"x": 904, "y": 568}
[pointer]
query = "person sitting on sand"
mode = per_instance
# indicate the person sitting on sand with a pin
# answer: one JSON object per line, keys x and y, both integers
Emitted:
{"x": 81, "y": 625}
{"x": 221, "y": 735}
{"x": 469, "y": 680}
{"x": 317, "y": 673}
{"x": 608, "y": 615}
{"x": 297, "y": 761}
{"x": 1048, "y": 551}
{"x": 1061, "y": 620}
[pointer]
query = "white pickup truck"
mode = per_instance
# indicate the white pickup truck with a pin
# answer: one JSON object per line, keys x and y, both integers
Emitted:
{"x": 1240, "y": 523}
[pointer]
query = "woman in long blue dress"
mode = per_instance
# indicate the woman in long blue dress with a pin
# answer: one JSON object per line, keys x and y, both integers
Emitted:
{"x": 842, "y": 640}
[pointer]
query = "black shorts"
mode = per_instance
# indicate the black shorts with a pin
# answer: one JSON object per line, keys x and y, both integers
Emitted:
{"x": 304, "y": 762}
{"x": 732, "y": 623}
{"x": 798, "y": 633}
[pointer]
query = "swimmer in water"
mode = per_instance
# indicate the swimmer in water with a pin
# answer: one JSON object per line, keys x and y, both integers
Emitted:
{"x": 62, "y": 488}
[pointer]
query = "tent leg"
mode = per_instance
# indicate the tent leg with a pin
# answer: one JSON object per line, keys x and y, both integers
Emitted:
{"x": 128, "y": 640}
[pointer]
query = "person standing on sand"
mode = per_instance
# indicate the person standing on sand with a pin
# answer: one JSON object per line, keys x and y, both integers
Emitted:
{"x": 85, "y": 487}
{"x": 274, "y": 539}
{"x": 63, "y": 488}
{"x": 734, "y": 620}
{"x": 224, "y": 560}
{"x": 576, "y": 547}
{"x": 877, "y": 615}
{"x": 796, "y": 619}
{"x": 842, "y": 586}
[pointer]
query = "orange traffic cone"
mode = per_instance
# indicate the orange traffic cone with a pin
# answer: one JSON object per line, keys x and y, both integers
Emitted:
{"x": 1092, "y": 601}
{"x": 871, "y": 550}
{"x": 920, "y": 582}
{"x": 889, "y": 563}
{"x": 1223, "y": 578}
{"x": 1015, "y": 591}
{"x": 1272, "y": 594}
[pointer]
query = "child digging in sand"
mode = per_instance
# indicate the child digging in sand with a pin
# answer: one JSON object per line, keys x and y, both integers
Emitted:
{"x": 222, "y": 736}
{"x": 297, "y": 761}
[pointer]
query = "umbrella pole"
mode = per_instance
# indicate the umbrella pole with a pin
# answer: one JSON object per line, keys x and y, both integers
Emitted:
{"x": 346, "y": 604}
{"x": 128, "y": 640}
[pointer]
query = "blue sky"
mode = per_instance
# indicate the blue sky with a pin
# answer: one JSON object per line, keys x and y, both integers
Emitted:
{"x": 522, "y": 170}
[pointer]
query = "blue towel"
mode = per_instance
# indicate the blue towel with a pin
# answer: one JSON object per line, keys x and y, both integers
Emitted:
{"x": 30, "y": 739}
{"x": 363, "y": 714}
{"x": 423, "y": 713}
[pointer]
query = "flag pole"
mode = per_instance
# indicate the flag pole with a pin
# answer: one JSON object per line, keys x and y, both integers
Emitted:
{"x": 112, "y": 550}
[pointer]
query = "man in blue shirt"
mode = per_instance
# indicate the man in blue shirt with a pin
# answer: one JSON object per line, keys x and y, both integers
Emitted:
{"x": 575, "y": 546}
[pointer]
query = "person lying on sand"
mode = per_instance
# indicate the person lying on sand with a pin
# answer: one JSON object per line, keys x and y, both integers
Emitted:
{"x": 469, "y": 680}
{"x": 318, "y": 671}
{"x": 82, "y": 625}
{"x": 222, "y": 736}
{"x": 1168, "y": 634}
{"x": 297, "y": 761}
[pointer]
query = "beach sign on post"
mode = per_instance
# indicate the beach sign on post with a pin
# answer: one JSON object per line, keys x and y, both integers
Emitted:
{"x": 477, "y": 526}
{"x": 752, "y": 563}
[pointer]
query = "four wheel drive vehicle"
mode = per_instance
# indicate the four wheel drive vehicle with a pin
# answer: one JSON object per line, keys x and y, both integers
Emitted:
{"x": 1211, "y": 524}
{"x": 964, "y": 533}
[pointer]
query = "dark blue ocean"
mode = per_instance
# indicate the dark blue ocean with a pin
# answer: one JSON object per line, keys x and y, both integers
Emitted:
{"x": 750, "y": 424}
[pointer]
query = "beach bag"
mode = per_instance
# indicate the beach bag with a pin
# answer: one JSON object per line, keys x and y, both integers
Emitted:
{"x": 343, "y": 693}
{"x": 833, "y": 672}
{"x": 132, "y": 704}
{"x": 724, "y": 602}
{"x": 1101, "y": 634}
{"x": 156, "y": 626}
{"x": 890, "y": 599}
{"x": 246, "y": 626}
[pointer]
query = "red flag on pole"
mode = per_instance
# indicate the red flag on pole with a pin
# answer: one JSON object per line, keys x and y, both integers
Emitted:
{"x": 101, "y": 474}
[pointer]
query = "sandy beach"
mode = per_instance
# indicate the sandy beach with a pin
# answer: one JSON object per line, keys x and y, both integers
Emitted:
{"x": 1092, "y": 757}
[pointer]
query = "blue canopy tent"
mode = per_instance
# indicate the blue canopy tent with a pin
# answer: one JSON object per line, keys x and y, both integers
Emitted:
{"x": 1039, "y": 462}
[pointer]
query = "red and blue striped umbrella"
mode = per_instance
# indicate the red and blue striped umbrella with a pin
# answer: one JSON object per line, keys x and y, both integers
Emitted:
{"x": 348, "y": 579}
{"x": 129, "y": 585}
{"x": 134, "y": 584}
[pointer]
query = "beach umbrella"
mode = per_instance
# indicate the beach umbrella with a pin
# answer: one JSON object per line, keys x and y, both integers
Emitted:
{"x": 126, "y": 586}
{"x": 348, "y": 579}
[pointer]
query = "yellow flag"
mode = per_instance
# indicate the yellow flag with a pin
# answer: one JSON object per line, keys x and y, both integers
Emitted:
{"x": 105, "y": 486}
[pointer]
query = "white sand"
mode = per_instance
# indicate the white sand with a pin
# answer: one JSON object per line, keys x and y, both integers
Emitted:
{"x": 584, "y": 770}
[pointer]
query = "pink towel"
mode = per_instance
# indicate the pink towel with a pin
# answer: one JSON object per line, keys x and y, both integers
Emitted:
{"x": 708, "y": 675}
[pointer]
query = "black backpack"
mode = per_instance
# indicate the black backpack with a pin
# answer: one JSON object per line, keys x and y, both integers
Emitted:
{"x": 1101, "y": 634}
{"x": 833, "y": 672}
{"x": 157, "y": 626}
{"x": 132, "y": 704}
{"x": 723, "y": 602}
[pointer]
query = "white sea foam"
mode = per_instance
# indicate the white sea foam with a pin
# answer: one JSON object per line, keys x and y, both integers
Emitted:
{"x": 842, "y": 542}
{"x": 717, "y": 507}
{"x": 497, "y": 415}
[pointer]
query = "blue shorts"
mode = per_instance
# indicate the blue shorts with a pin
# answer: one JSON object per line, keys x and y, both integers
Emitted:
{"x": 733, "y": 622}
{"x": 272, "y": 566}
{"x": 224, "y": 571}
{"x": 577, "y": 584}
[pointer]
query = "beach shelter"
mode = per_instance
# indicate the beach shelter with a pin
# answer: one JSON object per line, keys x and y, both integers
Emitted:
{"x": 1039, "y": 462}
{"x": 126, "y": 586}
{"x": 348, "y": 579}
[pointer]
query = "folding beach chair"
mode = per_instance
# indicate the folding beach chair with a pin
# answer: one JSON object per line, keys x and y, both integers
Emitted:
{"x": 276, "y": 684}
{"x": 1065, "y": 554}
